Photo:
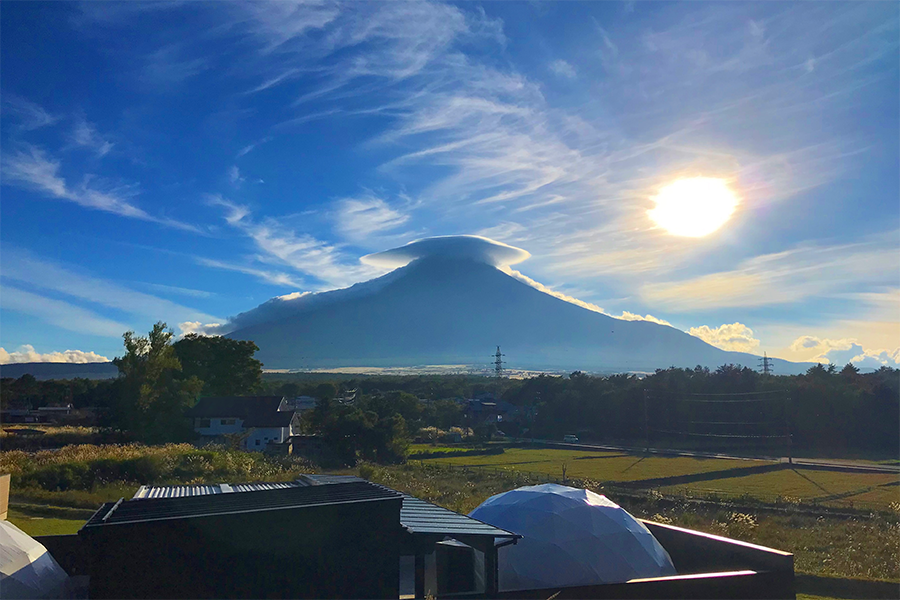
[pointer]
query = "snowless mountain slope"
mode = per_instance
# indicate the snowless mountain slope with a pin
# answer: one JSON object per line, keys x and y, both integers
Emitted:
{"x": 444, "y": 309}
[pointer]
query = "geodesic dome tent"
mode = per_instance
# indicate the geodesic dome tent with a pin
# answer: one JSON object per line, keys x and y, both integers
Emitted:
{"x": 26, "y": 568}
{"x": 572, "y": 537}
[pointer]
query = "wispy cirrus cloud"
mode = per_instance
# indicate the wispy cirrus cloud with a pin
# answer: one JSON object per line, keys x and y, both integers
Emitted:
{"x": 60, "y": 313}
{"x": 31, "y": 168}
{"x": 276, "y": 243}
{"x": 265, "y": 275}
{"x": 24, "y": 267}
{"x": 85, "y": 134}
{"x": 359, "y": 218}
{"x": 29, "y": 115}
{"x": 790, "y": 276}
{"x": 563, "y": 69}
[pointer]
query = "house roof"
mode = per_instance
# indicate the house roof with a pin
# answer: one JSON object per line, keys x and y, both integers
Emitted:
{"x": 272, "y": 419}
{"x": 139, "y": 510}
{"x": 417, "y": 516}
{"x": 235, "y": 406}
{"x": 420, "y": 517}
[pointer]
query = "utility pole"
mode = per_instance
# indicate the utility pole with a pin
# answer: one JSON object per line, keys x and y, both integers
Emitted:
{"x": 498, "y": 363}
{"x": 766, "y": 363}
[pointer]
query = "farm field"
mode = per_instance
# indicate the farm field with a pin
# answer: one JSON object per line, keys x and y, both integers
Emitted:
{"x": 596, "y": 465}
{"x": 759, "y": 480}
{"x": 832, "y": 488}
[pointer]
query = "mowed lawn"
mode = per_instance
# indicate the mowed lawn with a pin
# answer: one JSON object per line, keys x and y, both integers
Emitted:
{"x": 47, "y": 520}
{"x": 600, "y": 466}
{"x": 864, "y": 490}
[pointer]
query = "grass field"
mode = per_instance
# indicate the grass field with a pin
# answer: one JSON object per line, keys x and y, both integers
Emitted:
{"x": 748, "y": 479}
{"x": 600, "y": 466}
{"x": 830, "y": 488}
{"x": 47, "y": 520}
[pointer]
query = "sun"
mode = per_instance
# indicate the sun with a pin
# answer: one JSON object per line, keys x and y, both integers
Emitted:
{"x": 694, "y": 207}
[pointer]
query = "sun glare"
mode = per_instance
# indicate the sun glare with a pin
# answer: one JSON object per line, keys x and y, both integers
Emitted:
{"x": 694, "y": 207}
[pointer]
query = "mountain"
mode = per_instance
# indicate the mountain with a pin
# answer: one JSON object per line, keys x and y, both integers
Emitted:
{"x": 446, "y": 309}
{"x": 42, "y": 370}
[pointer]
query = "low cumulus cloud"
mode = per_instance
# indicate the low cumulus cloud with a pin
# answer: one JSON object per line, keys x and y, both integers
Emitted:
{"x": 199, "y": 328}
{"x": 735, "y": 337}
{"x": 27, "y": 354}
{"x": 845, "y": 350}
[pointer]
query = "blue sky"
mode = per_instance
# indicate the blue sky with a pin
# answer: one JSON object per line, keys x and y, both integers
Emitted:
{"x": 189, "y": 161}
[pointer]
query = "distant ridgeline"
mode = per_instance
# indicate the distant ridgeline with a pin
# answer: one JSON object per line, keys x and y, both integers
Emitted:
{"x": 43, "y": 371}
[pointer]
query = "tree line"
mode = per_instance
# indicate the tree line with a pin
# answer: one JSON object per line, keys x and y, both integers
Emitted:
{"x": 840, "y": 410}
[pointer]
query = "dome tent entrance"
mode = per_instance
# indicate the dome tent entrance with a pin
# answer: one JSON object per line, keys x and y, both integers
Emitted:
{"x": 572, "y": 537}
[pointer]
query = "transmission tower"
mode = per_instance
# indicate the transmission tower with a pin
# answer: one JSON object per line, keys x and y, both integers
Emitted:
{"x": 766, "y": 363}
{"x": 498, "y": 363}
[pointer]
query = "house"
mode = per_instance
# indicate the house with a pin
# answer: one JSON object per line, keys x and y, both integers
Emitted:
{"x": 259, "y": 420}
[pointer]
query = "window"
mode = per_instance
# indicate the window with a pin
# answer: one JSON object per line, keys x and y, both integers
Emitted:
{"x": 257, "y": 442}
{"x": 201, "y": 423}
{"x": 227, "y": 421}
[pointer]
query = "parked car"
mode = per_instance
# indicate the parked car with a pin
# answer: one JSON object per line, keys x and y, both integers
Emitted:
{"x": 570, "y": 439}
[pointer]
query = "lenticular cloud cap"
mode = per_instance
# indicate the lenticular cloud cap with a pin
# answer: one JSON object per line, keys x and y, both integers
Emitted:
{"x": 571, "y": 537}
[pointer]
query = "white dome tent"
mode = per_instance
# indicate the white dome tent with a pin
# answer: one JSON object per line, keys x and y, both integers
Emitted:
{"x": 26, "y": 568}
{"x": 572, "y": 537}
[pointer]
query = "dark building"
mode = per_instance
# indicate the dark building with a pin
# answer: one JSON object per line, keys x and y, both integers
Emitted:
{"x": 340, "y": 541}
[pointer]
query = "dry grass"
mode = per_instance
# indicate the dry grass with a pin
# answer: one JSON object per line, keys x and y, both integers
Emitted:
{"x": 88, "y": 475}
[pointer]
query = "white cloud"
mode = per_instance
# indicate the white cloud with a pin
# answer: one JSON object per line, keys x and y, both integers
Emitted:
{"x": 735, "y": 337}
{"x": 625, "y": 316}
{"x": 293, "y": 295}
{"x": 277, "y": 243}
{"x": 196, "y": 327}
{"x": 234, "y": 176}
{"x": 359, "y": 218}
{"x": 27, "y": 354}
{"x": 563, "y": 69}
{"x": 498, "y": 146}
{"x": 790, "y": 276}
{"x": 24, "y": 267}
{"x": 629, "y": 316}
{"x": 32, "y": 169}
{"x": 30, "y": 115}
{"x": 86, "y": 135}
{"x": 843, "y": 351}
{"x": 271, "y": 277}
{"x": 468, "y": 247}
{"x": 59, "y": 313}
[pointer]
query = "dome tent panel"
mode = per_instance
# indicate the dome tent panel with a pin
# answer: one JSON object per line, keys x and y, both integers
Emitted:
{"x": 572, "y": 537}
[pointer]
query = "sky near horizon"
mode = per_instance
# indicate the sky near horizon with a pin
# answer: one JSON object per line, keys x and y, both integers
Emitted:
{"x": 187, "y": 161}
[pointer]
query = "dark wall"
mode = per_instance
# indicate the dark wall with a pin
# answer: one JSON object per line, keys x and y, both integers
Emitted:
{"x": 329, "y": 551}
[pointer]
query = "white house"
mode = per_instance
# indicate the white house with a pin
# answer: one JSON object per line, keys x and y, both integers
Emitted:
{"x": 261, "y": 420}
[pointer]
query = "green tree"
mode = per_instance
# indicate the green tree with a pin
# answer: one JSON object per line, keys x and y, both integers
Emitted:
{"x": 225, "y": 366}
{"x": 152, "y": 395}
